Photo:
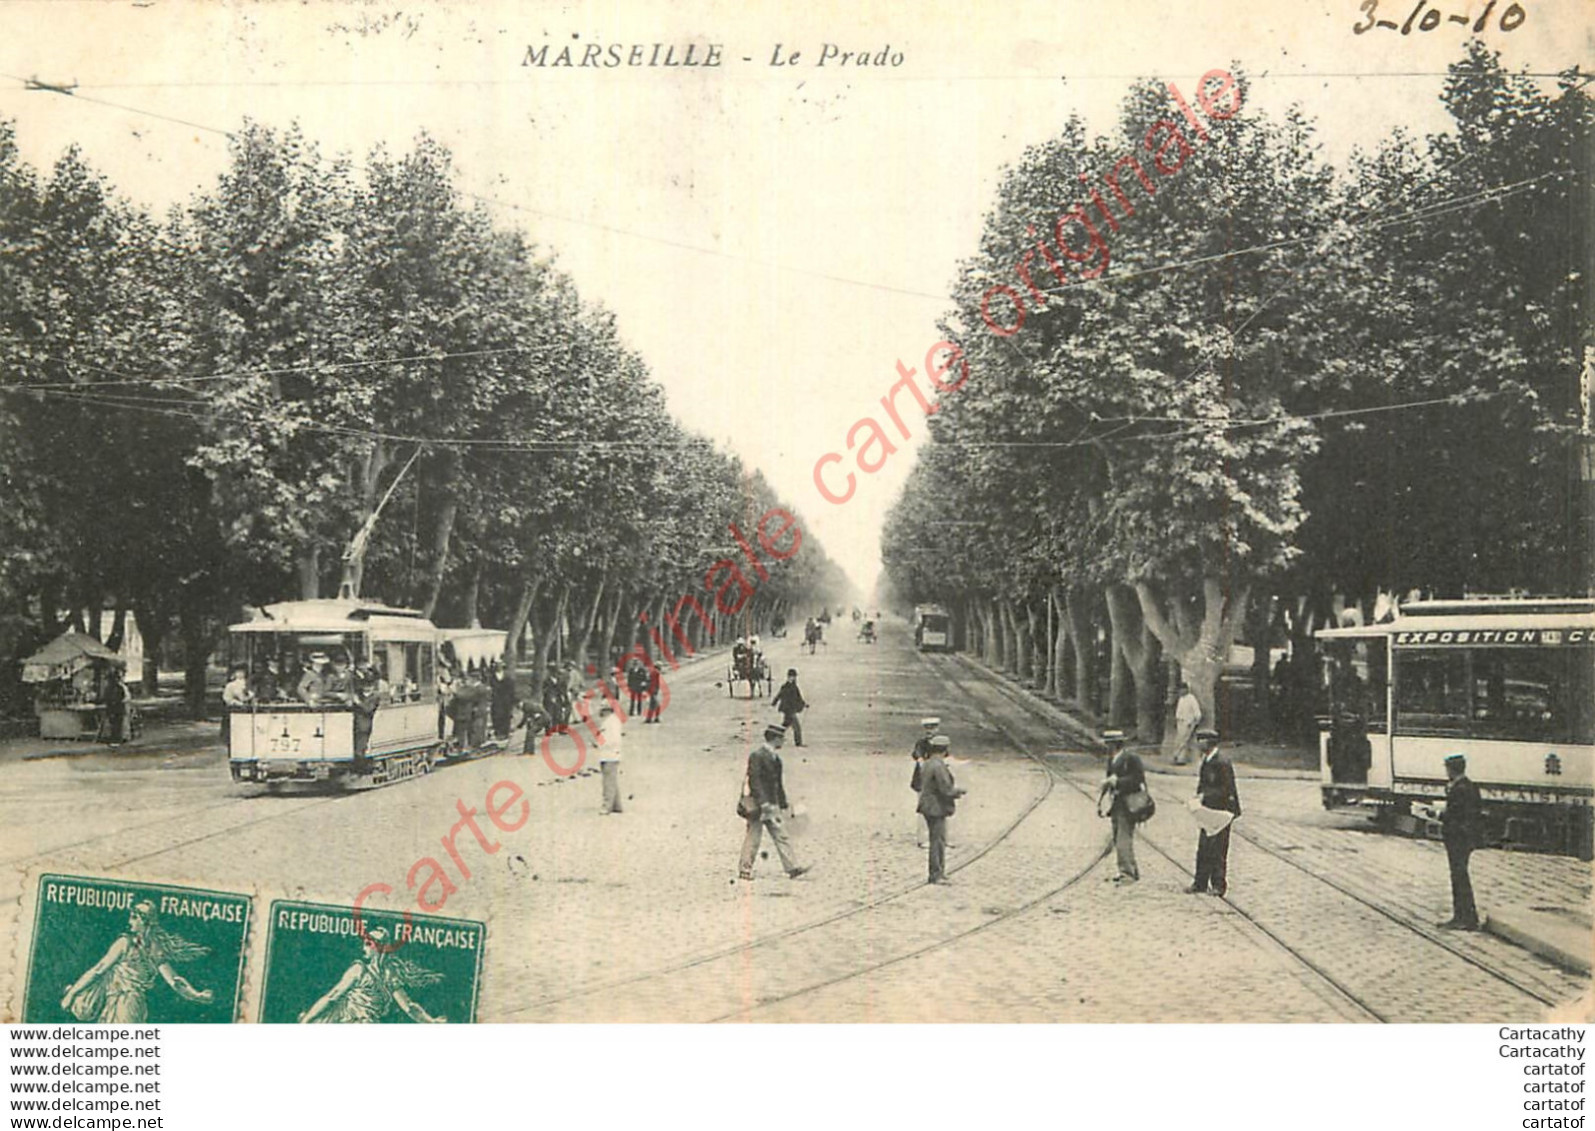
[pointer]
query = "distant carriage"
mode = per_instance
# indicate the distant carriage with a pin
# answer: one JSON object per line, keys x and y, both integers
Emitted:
{"x": 752, "y": 669}
{"x": 339, "y": 727}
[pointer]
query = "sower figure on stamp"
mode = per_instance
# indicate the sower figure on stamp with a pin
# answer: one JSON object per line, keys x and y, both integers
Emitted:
{"x": 1215, "y": 785}
{"x": 1460, "y": 825}
{"x": 114, "y": 989}
{"x": 790, "y": 702}
{"x": 938, "y": 797}
{"x": 763, "y": 799}
{"x": 1126, "y": 775}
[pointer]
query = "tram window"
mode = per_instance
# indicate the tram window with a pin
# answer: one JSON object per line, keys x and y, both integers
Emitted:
{"x": 1432, "y": 692}
{"x": 1533, "y": 694}
{"x": 426, "y": 676}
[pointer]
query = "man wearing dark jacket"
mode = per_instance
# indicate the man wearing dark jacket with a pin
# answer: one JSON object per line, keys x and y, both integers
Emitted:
{"x": 938, "y": 798}
{"x": 1460, "y": 826}
{"x": 789, "y": 701}
{"x": 1215, "y": 785}
{"x": 769, "y": 795}
{"x": 1126, "y": 775}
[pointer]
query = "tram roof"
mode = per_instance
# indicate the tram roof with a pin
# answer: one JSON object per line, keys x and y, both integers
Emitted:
{"x": 1470, "y": 616}
{"x": 339, "y": 614}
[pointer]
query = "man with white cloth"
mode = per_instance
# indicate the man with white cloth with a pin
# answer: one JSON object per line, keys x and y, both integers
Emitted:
{"x": 609, "y": 737}
{"x": 1215, "y": 787}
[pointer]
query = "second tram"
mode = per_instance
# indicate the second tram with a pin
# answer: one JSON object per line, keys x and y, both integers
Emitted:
{"x": 1508, "y": 683}
{"x": 933, "y": 629}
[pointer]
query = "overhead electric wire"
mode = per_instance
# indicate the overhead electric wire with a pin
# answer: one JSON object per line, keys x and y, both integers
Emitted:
{"x": 73, "y": 390}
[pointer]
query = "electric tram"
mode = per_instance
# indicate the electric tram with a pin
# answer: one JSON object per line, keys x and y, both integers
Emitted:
{"x": 1509, "y": 683}
{"x": 340, "y": 690}
{"x": 933, "y": 628}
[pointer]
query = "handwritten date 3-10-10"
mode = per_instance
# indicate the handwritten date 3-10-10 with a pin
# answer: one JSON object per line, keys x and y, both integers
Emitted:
{"x": 1511, "y": 19}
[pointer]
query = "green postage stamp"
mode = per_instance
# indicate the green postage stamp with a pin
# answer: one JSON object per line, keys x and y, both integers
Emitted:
{"x": 327, "y": 963}
{"x": 123, "y": 952}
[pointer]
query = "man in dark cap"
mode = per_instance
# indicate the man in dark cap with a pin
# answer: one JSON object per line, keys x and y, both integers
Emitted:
{"x": 930, "y": 725}
{"x": 790, "y": 702}
{"x": 763, "y": 784}
{"x": 1460, "y": 826}
{"x": 1215, "y": 785}
{"x": 938, "y": 798}
{"x": 1126, "y": 775}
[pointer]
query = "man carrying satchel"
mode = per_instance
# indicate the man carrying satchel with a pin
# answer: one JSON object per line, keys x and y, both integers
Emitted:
{"x": 1126, "y": 781}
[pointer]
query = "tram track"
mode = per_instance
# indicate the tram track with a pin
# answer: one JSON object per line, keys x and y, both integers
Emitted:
{"x": 284, "y": 807}
{"x": 774, "y": 937}
{"x": 999, "y": 684}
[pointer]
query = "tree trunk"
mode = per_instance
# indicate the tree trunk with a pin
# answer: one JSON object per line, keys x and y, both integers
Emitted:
{"x": 442, "y": 533}
{"x": 152, "y": 626}
{"x": 1259, "y": 634}
{"x": 1121, "y": 682}
{"x": 118, "y": 627}
{"x": 1081, "y": 641}
{"x": 517, "y": 625}
{"x": 1033, "y": 665}
{"x": 1060, "y": 647}
{"x": 1140, "y": 654}
{"x": 473, "y": 597}
{"x": 581, "y": 633}
{"x": 611, "y": 622}
{"x": 308, "y": 566}
{"x": 196, "y": 651}
{"x": 1196, "y": 631}
{"x": 548, "y": 633}
{"x": 367, "y": 474}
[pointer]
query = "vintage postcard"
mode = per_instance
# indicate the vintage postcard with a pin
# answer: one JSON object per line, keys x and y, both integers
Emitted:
{"x": 941, "y": 512}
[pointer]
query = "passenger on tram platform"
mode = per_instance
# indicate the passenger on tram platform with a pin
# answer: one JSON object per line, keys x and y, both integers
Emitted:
{"x": 312, "y": 688}
{"x": 267, "y": 688}
{"x": 338, "y": 683}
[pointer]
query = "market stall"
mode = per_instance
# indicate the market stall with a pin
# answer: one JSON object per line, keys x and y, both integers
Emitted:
{"x": 73, "y": 673}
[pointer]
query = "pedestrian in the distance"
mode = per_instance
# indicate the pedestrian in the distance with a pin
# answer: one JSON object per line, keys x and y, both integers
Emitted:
{"x": 1126, "y": 777}
{"x": 790, "y": 702}
{"x": 609, "y": 738}
{"x": 1187, "y": 717}
{"x": 636, "y": 685}
{"x": 762, "y": 802}
{"x": 501, "y": 682}
{"x": 1460, "y": 826}
{"x": 115, "y": 708}
{"x": 1215, "y": 785}
{"x": 938, "y": 797}
{"x": 653, "y": 714}
{"x": 929, "y": 726}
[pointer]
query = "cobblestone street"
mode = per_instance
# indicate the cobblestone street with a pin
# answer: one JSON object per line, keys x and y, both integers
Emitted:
{"x": 638, "y": 916}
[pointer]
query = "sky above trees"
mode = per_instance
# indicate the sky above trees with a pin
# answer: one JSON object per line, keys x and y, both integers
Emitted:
{"x": 770, "y": 240}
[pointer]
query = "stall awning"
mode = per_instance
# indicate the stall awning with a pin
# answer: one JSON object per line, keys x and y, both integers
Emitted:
{"x": 65, "y": 656}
